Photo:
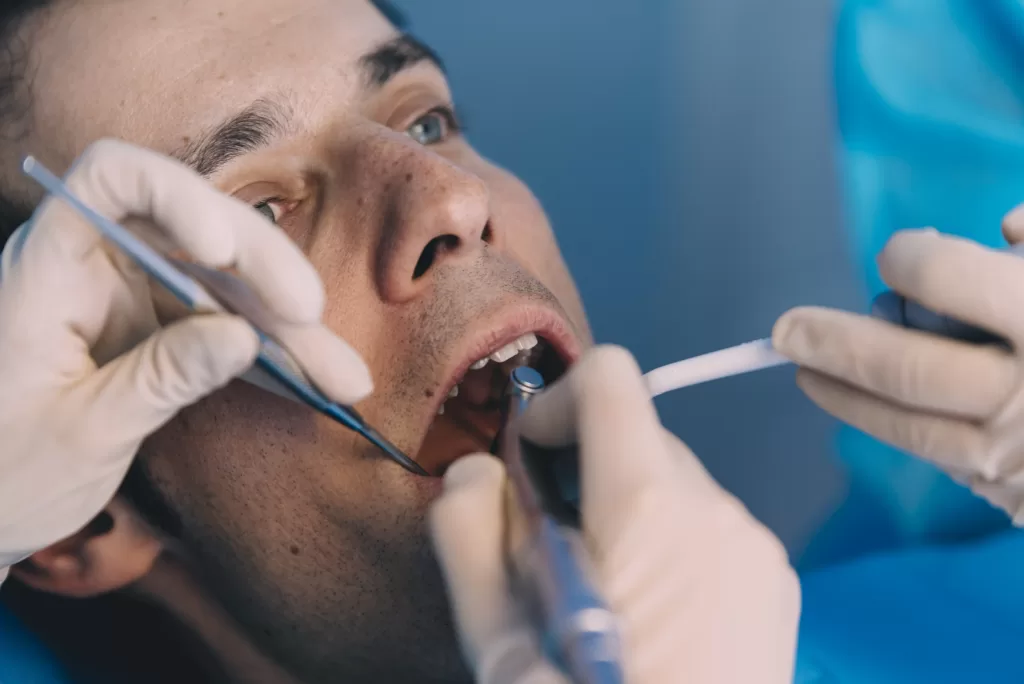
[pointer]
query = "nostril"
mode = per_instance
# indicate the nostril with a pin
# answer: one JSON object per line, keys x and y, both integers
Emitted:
{"x": 430, "y": 253}
{"x": 488, "y": 234}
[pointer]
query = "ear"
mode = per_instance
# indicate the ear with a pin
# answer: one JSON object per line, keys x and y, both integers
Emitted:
{"x": 114, "y": 550}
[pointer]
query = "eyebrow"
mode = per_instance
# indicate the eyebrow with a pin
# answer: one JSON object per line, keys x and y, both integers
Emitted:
{"x": 251, "y": 129}
{"x": 266, "y": 120}
{"x": 393, "y": 57}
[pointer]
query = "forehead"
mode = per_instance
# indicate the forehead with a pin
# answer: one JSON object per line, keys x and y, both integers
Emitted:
{"x": 155, "y": 71}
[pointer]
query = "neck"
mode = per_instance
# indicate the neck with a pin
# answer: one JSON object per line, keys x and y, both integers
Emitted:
{"x": 229, "y": 652}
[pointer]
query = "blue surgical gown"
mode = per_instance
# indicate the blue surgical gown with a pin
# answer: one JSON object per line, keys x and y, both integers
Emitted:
{"x": 914, "y": 579}
{"x": 935, "y": 615}
{"x": 930, "y": 99}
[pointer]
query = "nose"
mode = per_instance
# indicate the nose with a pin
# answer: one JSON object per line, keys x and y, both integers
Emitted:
{"x": 435, "y": 213}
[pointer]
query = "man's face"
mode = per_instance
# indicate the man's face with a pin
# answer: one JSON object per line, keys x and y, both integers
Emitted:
{"x": 432, "y": 258}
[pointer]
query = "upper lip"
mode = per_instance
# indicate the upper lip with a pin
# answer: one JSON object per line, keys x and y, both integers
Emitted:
{"x": 507, "y": 326}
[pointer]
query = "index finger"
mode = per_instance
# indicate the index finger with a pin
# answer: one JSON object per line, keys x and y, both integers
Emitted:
{"x": 957, "y": 278}
{"x": 121, "y": 181}
{"x": 915, "y": 369}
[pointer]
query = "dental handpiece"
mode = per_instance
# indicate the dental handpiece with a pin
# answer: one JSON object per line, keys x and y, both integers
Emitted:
{"x": 895, "y": 308}
{"x": 546, "y": 554}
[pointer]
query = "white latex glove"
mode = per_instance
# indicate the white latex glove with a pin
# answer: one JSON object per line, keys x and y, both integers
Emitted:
{"x": 957, "y": 405}
{"x": 705, "y": 593}
{"x": 86, "y": 371}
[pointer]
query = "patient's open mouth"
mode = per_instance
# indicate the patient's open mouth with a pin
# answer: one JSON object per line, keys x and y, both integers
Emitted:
{"x": 470, "y": 416}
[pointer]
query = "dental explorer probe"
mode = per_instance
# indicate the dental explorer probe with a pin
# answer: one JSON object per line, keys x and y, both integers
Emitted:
{"x": 578, "y": 624}
{"x": 273, "y": 358}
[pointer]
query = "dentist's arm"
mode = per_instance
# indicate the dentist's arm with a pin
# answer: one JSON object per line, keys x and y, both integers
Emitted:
{"x": 86, "y": 372}
{"x": 705, "y": 594}
{"x": 955, "y": 404}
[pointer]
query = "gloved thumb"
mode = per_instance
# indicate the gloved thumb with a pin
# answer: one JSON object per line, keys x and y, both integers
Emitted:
{"x": 1013, "y": 226}
{"x": 467, "y": 524}
{"x": 136, "y": 393}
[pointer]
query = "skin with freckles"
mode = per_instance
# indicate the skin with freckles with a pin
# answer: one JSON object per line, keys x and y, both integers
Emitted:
{"x": 307, "y": 553}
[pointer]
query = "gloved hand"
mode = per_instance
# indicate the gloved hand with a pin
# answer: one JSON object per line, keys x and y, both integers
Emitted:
{"x": 704, "y": 592}
{"x": 86, "y": 373}
{"x": 957, "y": 405}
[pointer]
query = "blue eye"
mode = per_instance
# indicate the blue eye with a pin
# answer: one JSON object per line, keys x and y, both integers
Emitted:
{"x": 434, "y": 127}
{"x": 267, "y": 210}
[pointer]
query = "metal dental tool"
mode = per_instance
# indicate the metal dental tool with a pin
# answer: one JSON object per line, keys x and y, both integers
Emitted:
{"x": 192, "y": 285}
{"x": 580, "y": 628}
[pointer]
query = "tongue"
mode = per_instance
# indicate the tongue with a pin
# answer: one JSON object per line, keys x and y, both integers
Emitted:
{"x": 462, "y": 430}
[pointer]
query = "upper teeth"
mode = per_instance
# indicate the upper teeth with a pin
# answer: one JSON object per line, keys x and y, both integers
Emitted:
{"x": 527, "y": 341}
{"x": 524, "y": 343}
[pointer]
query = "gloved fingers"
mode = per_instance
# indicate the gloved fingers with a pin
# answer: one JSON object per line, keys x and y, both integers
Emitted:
{"x": 135, "y": 394}
{"x": 958, "y": 278}
{"x": 1013, "y": 226}
{"x": 119, "y": 181}
{"x": 604, "y": 404}
{"x": 330, "y": 363}
{"x": 949, "y": 443}
{"x": 562, "y": 414}
{"x": 467, "y": 523}
{"x": 130, "y": 301}
{"x": 911, "y": 368}
{"x": 41, "y": 303}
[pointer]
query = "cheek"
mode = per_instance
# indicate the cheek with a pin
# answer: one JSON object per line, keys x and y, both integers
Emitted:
{"x": 524, "y": 228}
{"x": 220, "y": 457}
{"x": 265, "y": 472}
{"x": 274, "y": 507}
{"x": 527, "y": 234}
